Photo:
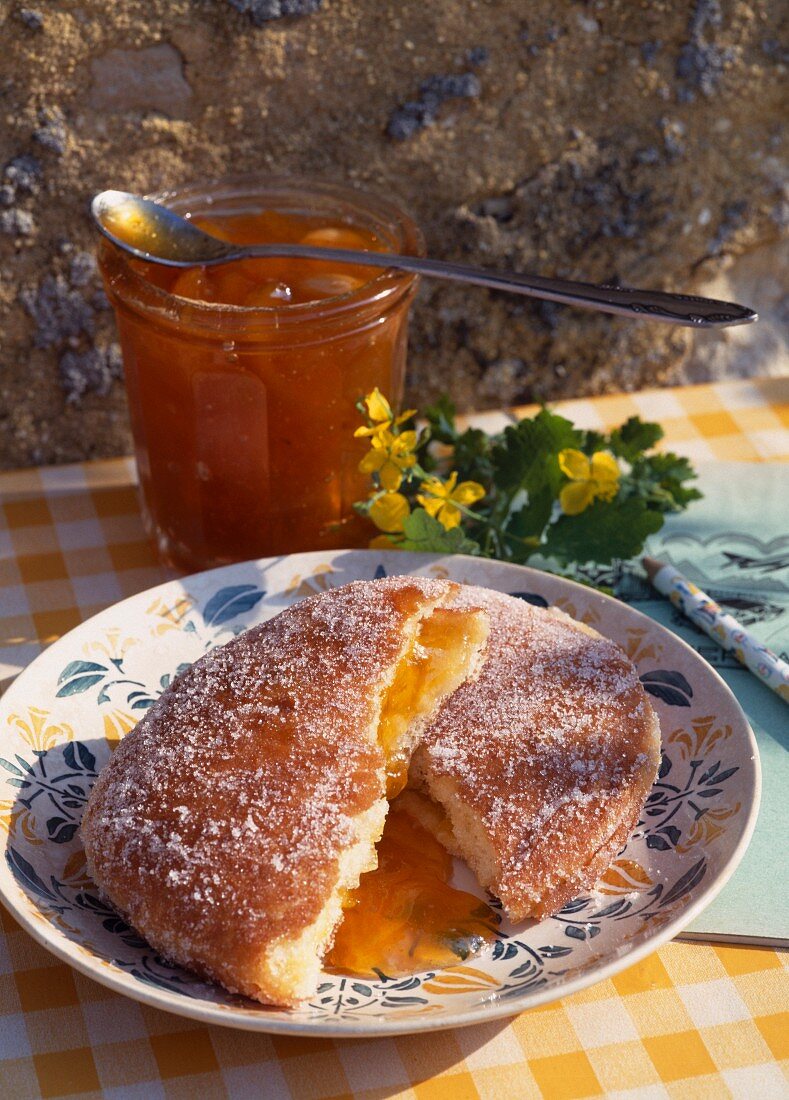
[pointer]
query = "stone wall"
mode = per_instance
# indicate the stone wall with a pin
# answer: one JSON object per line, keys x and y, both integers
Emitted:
{"x": 636, "y": 139}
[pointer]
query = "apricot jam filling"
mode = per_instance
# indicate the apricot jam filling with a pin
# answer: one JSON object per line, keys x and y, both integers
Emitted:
{"x": 434, "y": 664}
{"x": 405, "y": 916}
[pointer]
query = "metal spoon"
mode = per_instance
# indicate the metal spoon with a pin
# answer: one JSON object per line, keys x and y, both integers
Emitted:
{"x": 151, "y": 232}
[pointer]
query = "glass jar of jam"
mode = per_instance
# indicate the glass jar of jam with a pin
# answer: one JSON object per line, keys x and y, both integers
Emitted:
{"x": 243, "y": 378}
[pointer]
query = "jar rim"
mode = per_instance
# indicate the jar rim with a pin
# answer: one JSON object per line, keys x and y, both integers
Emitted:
{"x": 394, "y": 223}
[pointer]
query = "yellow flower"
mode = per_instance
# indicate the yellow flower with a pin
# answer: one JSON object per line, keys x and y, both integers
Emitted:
{"x": 388, "y": 512}
{"x": 441, "y": 498}
{"x": 380, "y": 412}
{"x": 388, "y": 457}
{"x": 593, "y": 478}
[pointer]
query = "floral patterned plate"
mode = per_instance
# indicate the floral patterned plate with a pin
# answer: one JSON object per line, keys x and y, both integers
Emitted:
{"x": 61, "y": 719}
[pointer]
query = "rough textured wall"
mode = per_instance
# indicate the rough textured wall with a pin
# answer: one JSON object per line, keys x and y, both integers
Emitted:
{"x": 636, "y": 139}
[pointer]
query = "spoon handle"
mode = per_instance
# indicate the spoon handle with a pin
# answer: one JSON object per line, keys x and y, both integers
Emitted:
{"x": 678, "y": 309}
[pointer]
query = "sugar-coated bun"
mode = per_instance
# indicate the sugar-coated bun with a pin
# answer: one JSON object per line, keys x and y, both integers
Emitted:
{"x": 544, "y": 762}
{"x": 233, "y": 820}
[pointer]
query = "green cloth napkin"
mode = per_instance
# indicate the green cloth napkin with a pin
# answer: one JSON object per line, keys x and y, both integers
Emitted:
{"x": 734, "y": 544}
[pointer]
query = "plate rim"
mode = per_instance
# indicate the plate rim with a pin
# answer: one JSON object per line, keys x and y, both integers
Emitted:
{"x": 208, "y": 1013}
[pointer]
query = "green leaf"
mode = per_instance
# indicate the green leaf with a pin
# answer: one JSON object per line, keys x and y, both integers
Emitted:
{"x": 471, "y": 457}
{"x": 424, "y": 533}
{"x": 594, "y": 441}
{"x": 683, "y": 497}
{"x": 634, "y": 437}
{"x": 602, "y": 532}
{"x": 660, "y": 479}
{"x": 470, "y": 449}
{"x": 441, "y": 418}
{"x": 525, "y": 455}
{"x": 529, "y": 521}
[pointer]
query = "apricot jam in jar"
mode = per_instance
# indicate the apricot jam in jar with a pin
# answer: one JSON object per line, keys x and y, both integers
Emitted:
{"x": 243, "y": 378}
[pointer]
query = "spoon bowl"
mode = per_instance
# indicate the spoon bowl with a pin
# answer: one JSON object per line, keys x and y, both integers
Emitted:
{"x": 152, "y": 232}
{"x": 149, "y": 231}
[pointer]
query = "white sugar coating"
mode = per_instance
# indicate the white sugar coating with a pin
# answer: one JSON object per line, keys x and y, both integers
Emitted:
{"x": 222, "y": 816}
{"x": 546, "y": 757}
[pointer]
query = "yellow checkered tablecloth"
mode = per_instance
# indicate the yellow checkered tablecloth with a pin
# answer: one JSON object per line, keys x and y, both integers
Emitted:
{"x": 690, "y": 1021}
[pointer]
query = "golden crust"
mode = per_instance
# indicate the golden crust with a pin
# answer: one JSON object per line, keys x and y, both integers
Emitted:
{"x": 544, "y": 762}
{"x": 219, "y": 826}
